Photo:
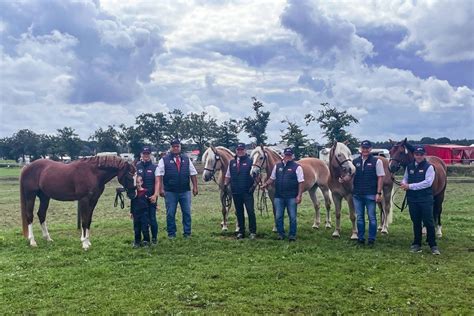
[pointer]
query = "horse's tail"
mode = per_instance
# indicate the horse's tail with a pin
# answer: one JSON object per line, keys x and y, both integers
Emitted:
{"x": 23, "y": 206}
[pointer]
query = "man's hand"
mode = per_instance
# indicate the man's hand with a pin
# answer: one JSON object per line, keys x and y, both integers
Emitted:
{"x": 131, "y": 216}
{"x": 404, "y": 186}
{"x": 162, "y": 192}
{"x": 195, "y": 191}
{"x": 153, "y": 198}
{"x": 378, "y": 198}
{"x": 298, "y": 199}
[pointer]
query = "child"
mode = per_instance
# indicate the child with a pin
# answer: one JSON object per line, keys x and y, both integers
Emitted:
{"x": 139, "y": 214}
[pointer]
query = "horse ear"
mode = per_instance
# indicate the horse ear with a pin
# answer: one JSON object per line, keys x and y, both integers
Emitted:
{"x": 213, "y": 148}
{"x": 261, "y": 146}
{"x": 405, "y": 140}
{"x": 391, "y": 141}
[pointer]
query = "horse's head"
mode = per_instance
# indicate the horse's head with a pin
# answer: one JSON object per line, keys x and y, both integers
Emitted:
{"x": 259, "y": 160}
{"x": 340, "y": 159}
{"x": 127, "y": 177}
{"x": 212, "y": 162}
{"x": 400, "y": 155}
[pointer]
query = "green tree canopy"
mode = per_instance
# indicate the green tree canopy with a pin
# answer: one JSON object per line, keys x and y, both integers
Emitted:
{"x": 256, "y": 126}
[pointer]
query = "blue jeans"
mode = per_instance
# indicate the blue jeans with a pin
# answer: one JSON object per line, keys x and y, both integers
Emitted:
{"x": 171, "y": 201}
{"x": 290, "y": 205}
{"x": 153, "y": 222}
{"x": 361, "y": 202}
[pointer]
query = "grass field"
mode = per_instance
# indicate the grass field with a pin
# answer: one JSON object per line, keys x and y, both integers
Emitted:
{"x": 214, "y": 273}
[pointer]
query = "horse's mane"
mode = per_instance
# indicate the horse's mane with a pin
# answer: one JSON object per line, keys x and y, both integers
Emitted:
{"x": 106, "y": 161}
{"x": 274, "y": 151}
{"x": 226, "y": 150}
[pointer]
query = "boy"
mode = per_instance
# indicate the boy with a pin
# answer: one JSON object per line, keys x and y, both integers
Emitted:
{"x": 139, "y": 214}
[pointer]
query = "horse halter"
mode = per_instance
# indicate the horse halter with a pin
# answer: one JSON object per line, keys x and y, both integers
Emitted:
{"x": 217, "y": 158}
{"x": 264, "y": 160}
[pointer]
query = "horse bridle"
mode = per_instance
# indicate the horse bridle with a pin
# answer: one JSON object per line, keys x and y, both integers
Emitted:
{"x": 264, "y": 160}
{"x": 217, "y": 158}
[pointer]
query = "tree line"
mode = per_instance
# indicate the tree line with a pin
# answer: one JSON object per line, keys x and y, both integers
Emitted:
{"x": 196, "y": 130}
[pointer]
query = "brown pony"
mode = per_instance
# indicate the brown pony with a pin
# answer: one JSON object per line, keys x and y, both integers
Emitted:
{"x": 217, "y": 159}
{"x": 316, "y": 175}
{"x": 82, "y": 180}
{"x": 401, "y": 154}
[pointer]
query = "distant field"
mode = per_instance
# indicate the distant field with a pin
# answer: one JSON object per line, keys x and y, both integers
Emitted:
{"x": 214, "y": 273}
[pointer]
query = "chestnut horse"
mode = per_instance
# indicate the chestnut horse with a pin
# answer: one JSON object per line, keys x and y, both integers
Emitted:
{"x": 401, "y": 154}
{"x": 316, "y": 175}
{"x": 341, "y": 167}
{"x": 82, "y": 180}
{"x": 217, "y": 159}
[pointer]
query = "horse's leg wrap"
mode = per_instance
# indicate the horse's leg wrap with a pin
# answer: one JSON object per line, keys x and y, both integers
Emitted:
{"x": 31, "y": 238}
{"x": 44, "y": 229}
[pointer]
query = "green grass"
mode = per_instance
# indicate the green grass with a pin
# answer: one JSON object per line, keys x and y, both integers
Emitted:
{"x": 214, "y": 273}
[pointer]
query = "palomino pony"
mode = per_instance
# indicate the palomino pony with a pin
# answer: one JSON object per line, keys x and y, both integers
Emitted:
{"x": 217, "y": 159}
{"x": 316, "y": 175}
{"x": 82, "y": 180}
{"x": 342, "y": 172}
{"x": 401, "y": 154}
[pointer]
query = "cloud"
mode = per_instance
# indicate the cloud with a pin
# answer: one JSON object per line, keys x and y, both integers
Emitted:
{"x": 109, "y": 60}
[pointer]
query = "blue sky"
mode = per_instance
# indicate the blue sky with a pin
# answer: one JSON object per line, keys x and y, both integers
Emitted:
{"x": 403, "y": 68}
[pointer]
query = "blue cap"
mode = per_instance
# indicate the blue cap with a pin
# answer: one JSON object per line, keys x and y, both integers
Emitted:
{"x": 419, "y": 150}
{"x": 366, "y": 144}
{"x": 146, "y": 149}
{"x": 175, "y": 142}
{"x": 288, "y": 151}
{"x": 240, "y": 146}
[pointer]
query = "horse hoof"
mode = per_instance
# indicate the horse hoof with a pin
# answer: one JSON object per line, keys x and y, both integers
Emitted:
{"x": 49, "y": 239}
{"x": 384, "y": 231}
{"x": 33, "y": 243}
{"x": 336, "y": 234}
{"x": 274, "y": 230}
{"x": 328, "y": 225}
{"x": 354, "y": 237}
{"x": 315, "y": 226}
{"x": 379, "y": 228}
{"x": 224, "y": 229}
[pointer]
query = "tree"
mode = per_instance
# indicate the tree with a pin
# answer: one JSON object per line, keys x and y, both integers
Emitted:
{"x": 294, "y": 137}
{"x": 227, "y": 134}
{"x": 25, "y": 142}
{"x": 69, "y": 142}
{"x": 201, "y": 128}
{"x": 177, "y": 125}
{"x": 333, "y": 122}
{"x": 132, "y": 138}
{"x": 107, "y": 140}
{"x": 150, "y": 127}
{"x": 256, "y": 126}
{"x": 6, "y": 148}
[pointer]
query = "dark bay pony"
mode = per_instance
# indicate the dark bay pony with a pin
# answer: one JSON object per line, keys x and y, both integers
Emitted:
{"x": 401, "y": 154}
{"x": 217, "y": 159}
{"x": 342, "y": 171}
{"x": 82, "y": 180}
{"x": 316, "y": 175}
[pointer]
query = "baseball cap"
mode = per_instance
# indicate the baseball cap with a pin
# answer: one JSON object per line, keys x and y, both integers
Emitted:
{"x": 366, "y": 144}
{"x": 240, "y": 146}
{"x": 419, "y": 150}
{"x": 288, "y": 151}
{"x": 175, "y": 142}
{"x": 146, "y": 150}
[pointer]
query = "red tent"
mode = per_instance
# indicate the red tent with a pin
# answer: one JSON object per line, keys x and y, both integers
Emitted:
{"x": 450, "y": 153}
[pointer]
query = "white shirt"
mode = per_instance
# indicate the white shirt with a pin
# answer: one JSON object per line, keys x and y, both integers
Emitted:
{"x": 160, "y": 170}
{"x": 429, "y": 178}
{"x": 378, "y": 167}
{"x": 299, "y": 173}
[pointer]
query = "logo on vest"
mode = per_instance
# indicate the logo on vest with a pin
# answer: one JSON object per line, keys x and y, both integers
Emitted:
{"x": 358, "y": 164}
{"x": 149, "y": 171}
{"x": 234, "y": 164}
{"x": 140, "y": 170}
{"x": 412, "y": 171}
{"x": 171, "y": 161}
{"x": 421, "y": 171}
{"x": 280, "y": 169}
{"x": 290, "y": 169}
{"x": 244, "y": 164}
{"x": 369, "y": 164}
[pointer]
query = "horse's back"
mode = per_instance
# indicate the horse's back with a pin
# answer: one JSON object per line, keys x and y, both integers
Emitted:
{"x": 441, "y": 174}
{"x": 315, "y": 170}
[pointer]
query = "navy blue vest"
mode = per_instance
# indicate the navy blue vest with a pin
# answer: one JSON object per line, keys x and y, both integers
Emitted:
{"x": 365, "y": 180}
{"x": 173, "y": 180}
{"x": 147, "y": 171}
{"x": 240, "y": 179}
{"x": 415, "y": 175}
{"x": 286, "y": 183}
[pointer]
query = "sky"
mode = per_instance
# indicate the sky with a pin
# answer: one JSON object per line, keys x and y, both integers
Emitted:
{"x": 403, "y": 68}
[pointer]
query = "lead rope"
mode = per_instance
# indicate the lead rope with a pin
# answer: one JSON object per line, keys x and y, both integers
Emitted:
{"x": 404, "y": 203}
{"x": 119, "y": 196}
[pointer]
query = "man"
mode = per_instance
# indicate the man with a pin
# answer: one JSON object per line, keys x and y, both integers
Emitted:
{"x": 289, "y": 184}
{"x": 417, "y": 182}
{"x": 172, "y": 182}
{"x": 238, "y": 175}
{"x": 146, "y": 169}
{"x": 368, "y": 183}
